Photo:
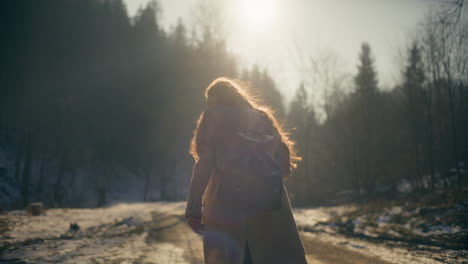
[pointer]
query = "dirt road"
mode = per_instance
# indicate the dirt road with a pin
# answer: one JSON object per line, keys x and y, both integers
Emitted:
{"x": 135, "y": 233}
{"x": 171, "y": 227}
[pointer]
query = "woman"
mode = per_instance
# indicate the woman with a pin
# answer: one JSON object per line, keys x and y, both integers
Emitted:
{"x": 232, "y": 234}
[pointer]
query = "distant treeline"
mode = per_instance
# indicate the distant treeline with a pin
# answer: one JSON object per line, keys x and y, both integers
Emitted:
{"x": 372, "y": 140}
{"x": 85, "y": 87}
{"x": 88, "y": 94}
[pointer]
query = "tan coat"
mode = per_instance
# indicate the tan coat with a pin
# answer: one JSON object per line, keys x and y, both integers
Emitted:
{"x": 272, "y": 237}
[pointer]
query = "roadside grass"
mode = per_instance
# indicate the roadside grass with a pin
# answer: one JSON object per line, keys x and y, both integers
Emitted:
{"x": 432, "y": 219}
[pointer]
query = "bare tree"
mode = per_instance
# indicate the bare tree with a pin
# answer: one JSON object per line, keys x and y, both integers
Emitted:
{"x": 445, "y": 40}
{"x": 209, "y": 19}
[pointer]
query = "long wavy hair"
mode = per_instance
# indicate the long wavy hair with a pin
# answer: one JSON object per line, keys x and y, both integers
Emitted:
{"x": 227, "y": 91}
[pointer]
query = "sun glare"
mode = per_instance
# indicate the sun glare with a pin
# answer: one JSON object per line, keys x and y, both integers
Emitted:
{"x": 257, "y": 12}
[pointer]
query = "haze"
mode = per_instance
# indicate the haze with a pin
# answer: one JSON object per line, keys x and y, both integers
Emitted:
{"x": 310, "y": 28}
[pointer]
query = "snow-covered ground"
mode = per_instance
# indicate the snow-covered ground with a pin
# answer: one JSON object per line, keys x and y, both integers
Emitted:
{"x": 157, "y": 233}
{"x": 392, "y": 235}
{"x": 118, "y": 234}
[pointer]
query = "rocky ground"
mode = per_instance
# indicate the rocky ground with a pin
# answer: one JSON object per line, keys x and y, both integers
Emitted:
{"x": 157, "y": 233}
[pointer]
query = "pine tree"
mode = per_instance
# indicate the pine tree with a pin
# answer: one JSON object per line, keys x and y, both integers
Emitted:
{"x": 265, "y": 88}
{"x": 366, "y": 79}
{"x": 414, "y": 105}
{"x": 297, "y": 118}
{"x": 366, "y": 122}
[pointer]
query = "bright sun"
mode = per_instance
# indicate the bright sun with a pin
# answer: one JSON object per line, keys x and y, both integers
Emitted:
{"x": 257, "y": 12}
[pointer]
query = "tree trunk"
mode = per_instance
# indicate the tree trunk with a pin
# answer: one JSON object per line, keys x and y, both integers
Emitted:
{"x": 27, "y": 171}
{"x": 307, "y": 161}
{"x": 40, "y": 184}
{"x": 101, "y": 186}
{"x": 453, "y": 126}
{"x": 430, "y": 137}
{"x": 18, "y": 162}
{"x": 147, "y": 184}
{"x": 58, "y": 197}
{"x": 162, "y": 185}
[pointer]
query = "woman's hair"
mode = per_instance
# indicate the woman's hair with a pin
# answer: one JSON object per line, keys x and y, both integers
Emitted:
{"x": 226, "y": 91}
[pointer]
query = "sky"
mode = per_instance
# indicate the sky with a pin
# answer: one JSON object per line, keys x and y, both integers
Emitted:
{"x": 283, "y": 35}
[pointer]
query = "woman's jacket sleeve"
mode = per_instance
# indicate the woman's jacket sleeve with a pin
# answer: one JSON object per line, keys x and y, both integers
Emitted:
{"x": 203, "y": 166}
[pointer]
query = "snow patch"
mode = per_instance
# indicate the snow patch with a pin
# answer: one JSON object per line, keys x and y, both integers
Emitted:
{"x": 166, "y": 253}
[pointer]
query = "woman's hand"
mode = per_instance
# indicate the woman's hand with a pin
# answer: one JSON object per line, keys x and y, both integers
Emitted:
{"x": 195, "y": 224}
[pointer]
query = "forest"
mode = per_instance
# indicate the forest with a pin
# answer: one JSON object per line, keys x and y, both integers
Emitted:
{"x": 96, "y": 106}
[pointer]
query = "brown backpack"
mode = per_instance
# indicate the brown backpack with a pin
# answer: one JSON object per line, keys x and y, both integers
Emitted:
{"x": 252, "y": 176}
